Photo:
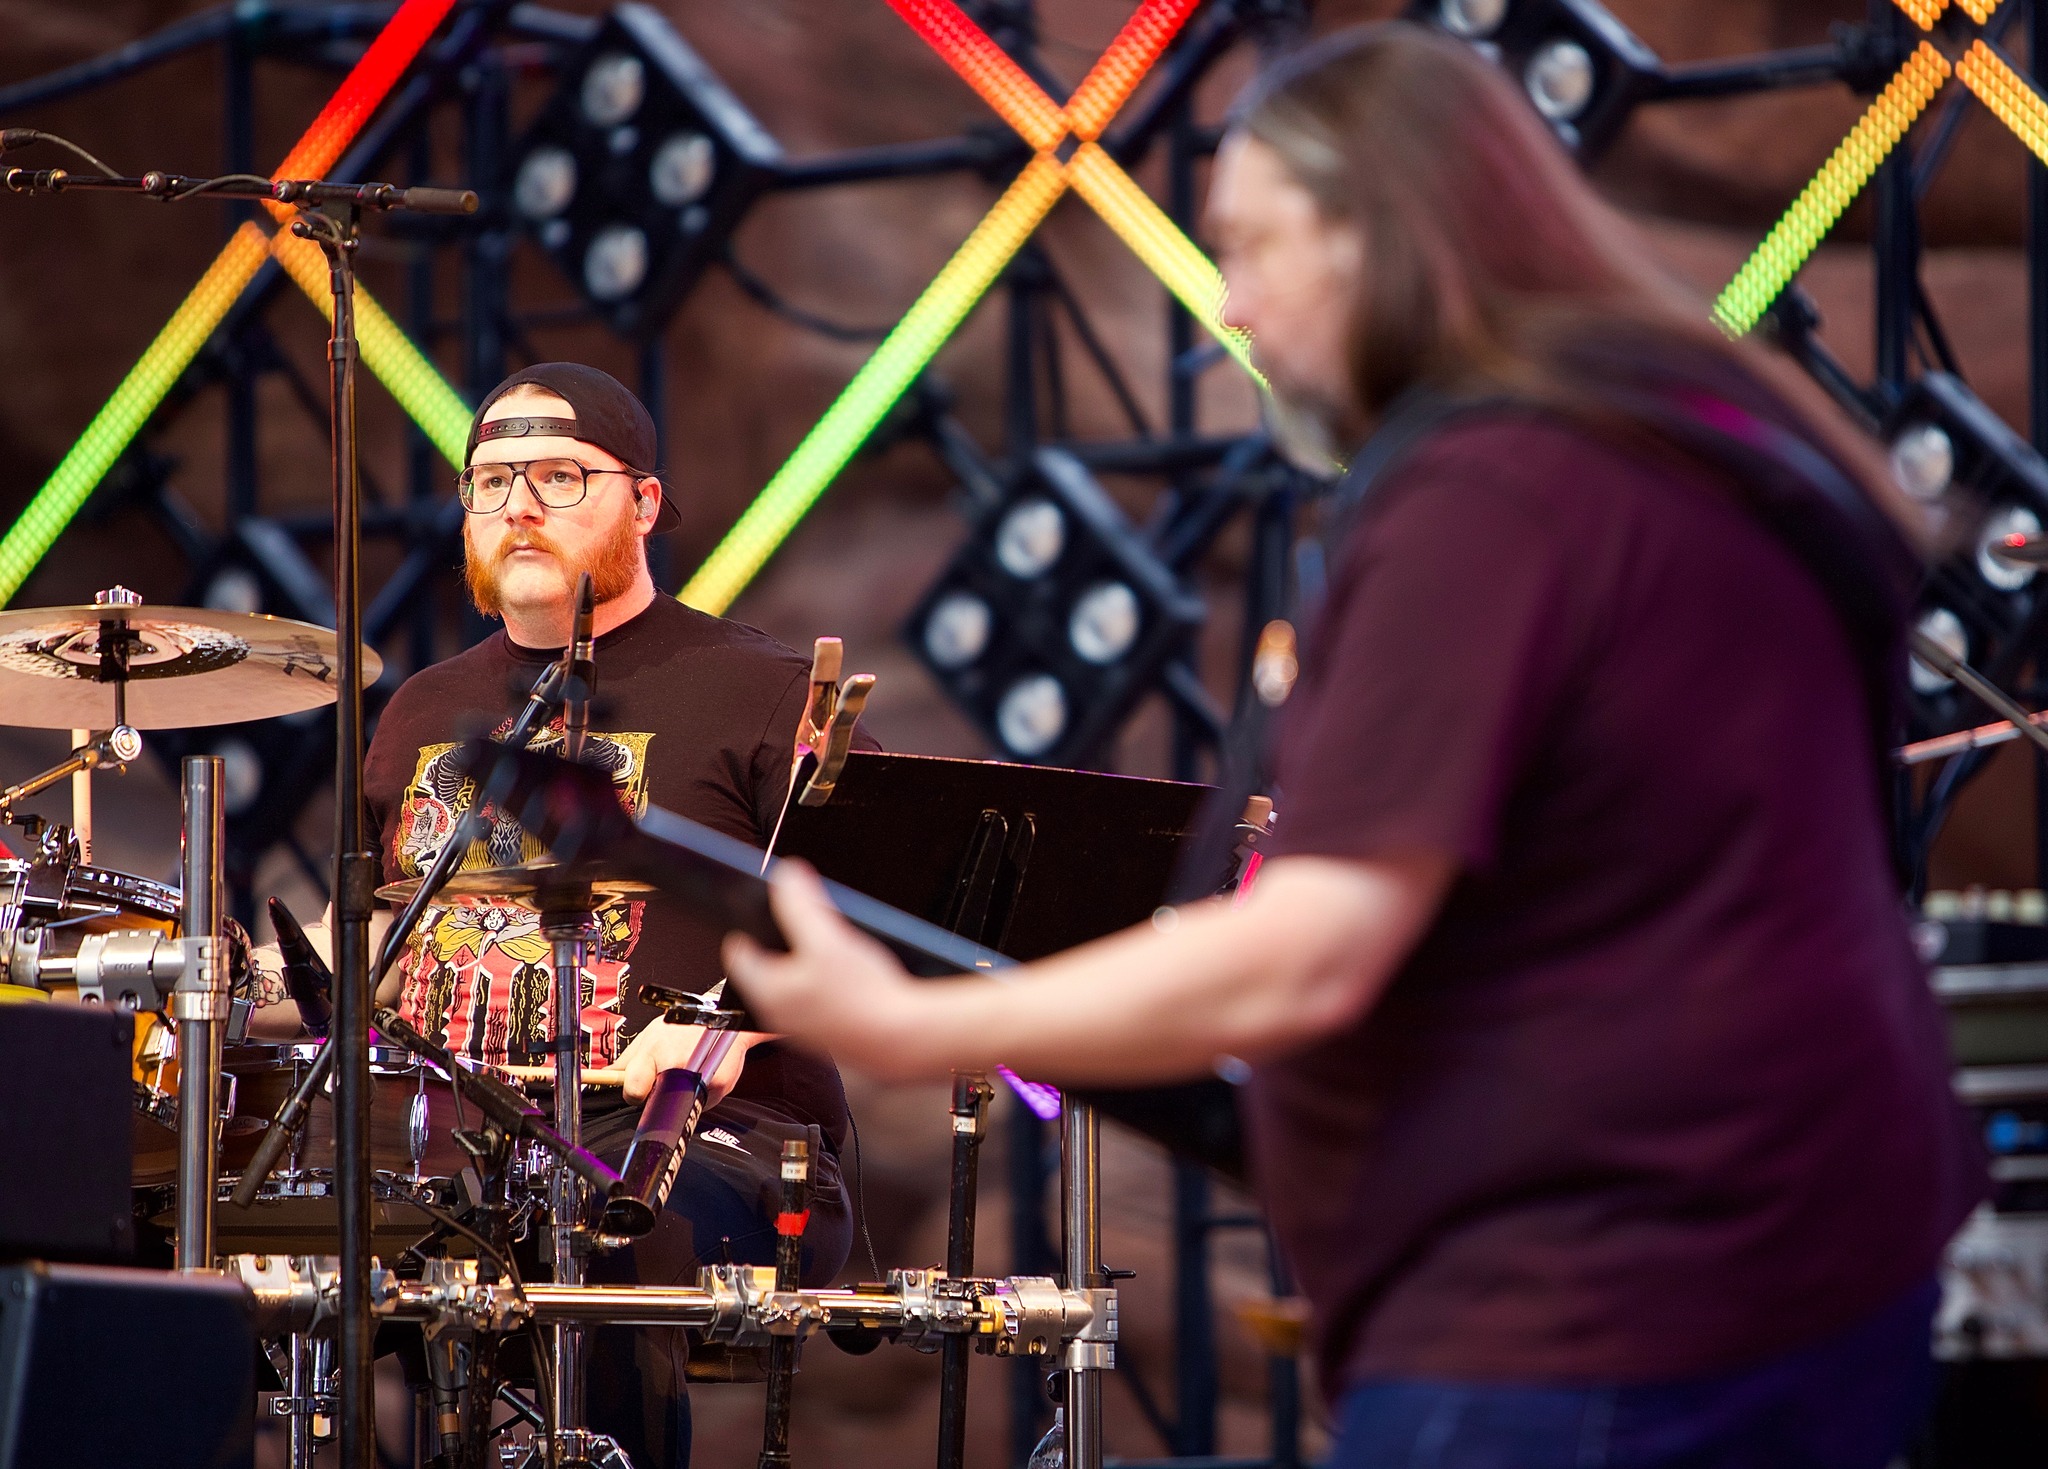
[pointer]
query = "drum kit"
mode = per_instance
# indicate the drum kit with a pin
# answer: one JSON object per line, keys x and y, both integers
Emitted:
{"x": 236, "y": 1147}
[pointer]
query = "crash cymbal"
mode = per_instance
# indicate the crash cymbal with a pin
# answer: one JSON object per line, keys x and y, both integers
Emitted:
{"x": 525, "y": 883}
{"x": 187, "y": 666}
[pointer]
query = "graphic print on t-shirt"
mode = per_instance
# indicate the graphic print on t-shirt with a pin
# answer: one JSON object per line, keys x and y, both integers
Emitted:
{"x": 476, "y": 976}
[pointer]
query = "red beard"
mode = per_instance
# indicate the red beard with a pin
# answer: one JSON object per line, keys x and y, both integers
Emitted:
{"x": 613, "y": 566}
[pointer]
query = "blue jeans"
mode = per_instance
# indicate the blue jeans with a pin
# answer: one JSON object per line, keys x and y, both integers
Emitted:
{"x": 1850, "y": 1402}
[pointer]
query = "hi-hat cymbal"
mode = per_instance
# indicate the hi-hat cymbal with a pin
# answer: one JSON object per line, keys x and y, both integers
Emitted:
{"x": 187, "y": 666}
{"x": 528, "y": 883}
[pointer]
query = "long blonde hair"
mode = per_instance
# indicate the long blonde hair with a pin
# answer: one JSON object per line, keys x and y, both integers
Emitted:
{"x": 1492, "y": 265}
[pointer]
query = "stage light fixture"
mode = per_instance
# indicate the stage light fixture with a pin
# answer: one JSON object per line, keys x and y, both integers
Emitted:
{"x": 1029, "y": 537}
{"x": 633, "y": 176}
{"x": 1105, "y": 622}
{"x": 1924, "y": 461}
{"x": 1474, "y": 20}
{"x": 1945, "y": 629}
{"x": 1950, "y": 452}
{"x": 1054, "y": 619}
{"x": 956, "y": 630}
{"x": 1583, "y": 70}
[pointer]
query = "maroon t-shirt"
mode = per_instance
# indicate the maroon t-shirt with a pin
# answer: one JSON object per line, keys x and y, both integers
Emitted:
{"x": 1663, "y": 1090}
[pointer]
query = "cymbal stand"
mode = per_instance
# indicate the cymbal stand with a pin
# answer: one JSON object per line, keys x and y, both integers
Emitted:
{"x": 568, "y": 922}
{"x": 116, "y": 748}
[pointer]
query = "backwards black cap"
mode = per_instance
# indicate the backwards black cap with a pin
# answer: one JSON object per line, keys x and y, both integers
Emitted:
{"x": 606, "y": 414}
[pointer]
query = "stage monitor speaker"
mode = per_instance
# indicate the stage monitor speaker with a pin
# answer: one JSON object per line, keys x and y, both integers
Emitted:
{"x": 110, "y": 1368}
{"x": 67, "y": 1092}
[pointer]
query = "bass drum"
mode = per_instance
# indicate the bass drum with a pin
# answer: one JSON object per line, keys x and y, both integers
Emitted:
{"x": 45, "y": 909}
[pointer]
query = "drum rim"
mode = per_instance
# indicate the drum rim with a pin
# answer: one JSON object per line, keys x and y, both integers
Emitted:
{"x": 160, "y": 899}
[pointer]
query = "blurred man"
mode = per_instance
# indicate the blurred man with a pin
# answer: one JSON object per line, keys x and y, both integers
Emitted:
{"x": 1598, "y": 1099}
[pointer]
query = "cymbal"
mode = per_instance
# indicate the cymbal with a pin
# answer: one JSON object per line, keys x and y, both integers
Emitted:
{"x": 525, "y": 883}
{"x": 190, "y": 666}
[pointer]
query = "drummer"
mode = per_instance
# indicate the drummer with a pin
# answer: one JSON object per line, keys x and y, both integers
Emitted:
{"x": 693, "y": 709}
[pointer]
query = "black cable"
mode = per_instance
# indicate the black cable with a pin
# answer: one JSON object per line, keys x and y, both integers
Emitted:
{"x": 543, "y": 1370}
{"x": 18, "y": 136}
{"x": 453, "y": 1225}
{"x": 205, "y": 186}
{"x": 860, "y": 1199}
{"x": 765, "y": 295}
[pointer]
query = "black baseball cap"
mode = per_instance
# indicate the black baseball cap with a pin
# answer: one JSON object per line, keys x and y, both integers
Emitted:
{"x": 607, "y": 414}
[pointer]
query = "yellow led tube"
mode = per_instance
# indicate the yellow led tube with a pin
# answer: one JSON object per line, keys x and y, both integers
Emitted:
{"x": 1767, "y": 272}
{"x": 2008, "y": 95}
{"x": 71, "y": 483}
{"x": 916, "y": 339}
{"x": 387, "y": 351}
{"x": 1159, "y": 242}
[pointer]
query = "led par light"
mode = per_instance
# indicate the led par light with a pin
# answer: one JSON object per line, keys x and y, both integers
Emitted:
{"x": 1582, "y": 69}
{"x": 1953, "y": 454}
{"x": 635, "y": 173}
{"x": 1054, "y": 619}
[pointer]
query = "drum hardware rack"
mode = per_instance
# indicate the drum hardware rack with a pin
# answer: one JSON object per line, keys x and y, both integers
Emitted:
{"x": 1027, "y": 1318}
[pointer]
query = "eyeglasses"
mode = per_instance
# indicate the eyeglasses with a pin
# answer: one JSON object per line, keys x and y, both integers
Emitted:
{"x": 558, "y": 484}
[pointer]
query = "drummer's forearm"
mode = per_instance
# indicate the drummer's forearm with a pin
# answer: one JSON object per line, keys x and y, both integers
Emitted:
{"x": 275, "y": 1017}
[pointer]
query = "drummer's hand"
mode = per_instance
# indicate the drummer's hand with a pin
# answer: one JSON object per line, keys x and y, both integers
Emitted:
{"x": 663, "y": 1047}
{"x": 837, "y": 988}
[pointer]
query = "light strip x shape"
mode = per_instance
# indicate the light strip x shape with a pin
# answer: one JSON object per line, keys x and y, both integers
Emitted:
{"x": 1065, "y": 154}
{"x": 387, "y": 352}
{"x": 2010, "y": 97}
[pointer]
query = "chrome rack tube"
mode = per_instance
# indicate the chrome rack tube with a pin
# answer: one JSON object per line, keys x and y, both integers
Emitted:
{"x": 199, "y": 1008}
{"x": 1089, "y": 1355}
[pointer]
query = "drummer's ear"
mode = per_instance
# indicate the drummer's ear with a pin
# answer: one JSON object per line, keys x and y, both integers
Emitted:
{"x": 647, "y": 499}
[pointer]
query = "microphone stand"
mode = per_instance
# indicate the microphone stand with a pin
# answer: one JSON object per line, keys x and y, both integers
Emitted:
{"x": 348, "y": 1048}
{"x": 354, "y": 869}
{"x": 567, "y": 921}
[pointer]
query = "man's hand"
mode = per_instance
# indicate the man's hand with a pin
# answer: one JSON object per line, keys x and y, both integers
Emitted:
{"x": 837, "y": 988}
{"x": 662, "y": 1047}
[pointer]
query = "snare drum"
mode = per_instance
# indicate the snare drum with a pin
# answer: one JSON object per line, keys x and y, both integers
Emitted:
{"x": 412, "y": 1108}
{"x": 46, "y": 908}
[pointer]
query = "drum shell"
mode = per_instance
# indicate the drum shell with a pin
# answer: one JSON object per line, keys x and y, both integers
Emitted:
{"x": 266, "y": 1074}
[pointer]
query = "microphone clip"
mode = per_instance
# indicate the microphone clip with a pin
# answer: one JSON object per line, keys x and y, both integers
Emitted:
{"x": 830, "y": 717}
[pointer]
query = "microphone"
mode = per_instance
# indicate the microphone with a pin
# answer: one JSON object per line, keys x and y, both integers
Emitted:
{"x": 504, "y": 1104}
{"x": 667, "y": 1122}
{"x": 582, "y": 679}
{"x": 306, "y": 977}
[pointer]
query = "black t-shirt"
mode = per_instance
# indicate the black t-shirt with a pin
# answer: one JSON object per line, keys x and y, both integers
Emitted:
{"x": 1663, "y": 1091}
{"x": 692, "y": 713}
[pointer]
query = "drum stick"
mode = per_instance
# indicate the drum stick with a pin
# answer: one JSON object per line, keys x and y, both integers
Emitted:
{"x": 81, "y": 799}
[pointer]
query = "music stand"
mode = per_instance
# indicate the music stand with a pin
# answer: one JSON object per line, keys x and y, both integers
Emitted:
{"x": 1026, "y": 860}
